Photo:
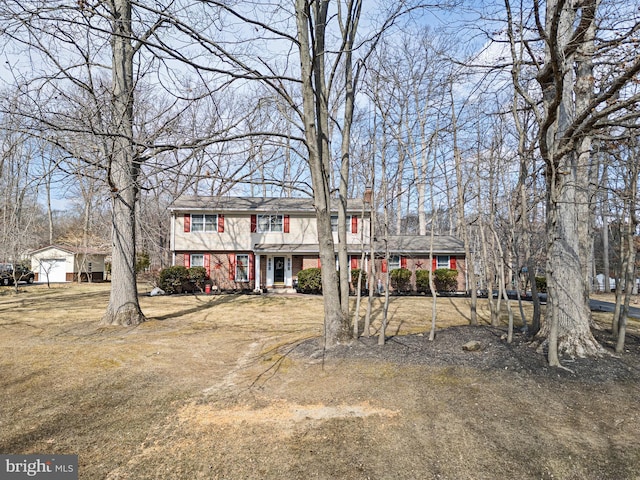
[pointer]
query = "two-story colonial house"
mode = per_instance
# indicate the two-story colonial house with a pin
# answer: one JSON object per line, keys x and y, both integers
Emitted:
{"x": 256, "y": 243}
{"x": 248, "y": 243}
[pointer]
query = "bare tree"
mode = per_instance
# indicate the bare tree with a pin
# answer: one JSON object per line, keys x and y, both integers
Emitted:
{"x": 629, "y": 193}
{"x": 20, "y": 214}
{"x": 573, "y": 106}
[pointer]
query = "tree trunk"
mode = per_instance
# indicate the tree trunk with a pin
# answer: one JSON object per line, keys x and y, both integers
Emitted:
{"x": 604, "y": 212}
{"x": 629, "y": 246}
{"x": 568, "y": 314}
{"x": 462, "y": 223}
{"x": 432, "y": 283}
{"x": 585, "y": 194}
{"x": 316, "y": 127}
{"x": 349, "y": 27}
{"x": 123, "y": 307}
{"x": 385, "y": 197}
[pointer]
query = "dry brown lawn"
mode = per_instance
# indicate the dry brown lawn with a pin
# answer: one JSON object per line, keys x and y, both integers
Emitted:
{"x": 227, "y": 387}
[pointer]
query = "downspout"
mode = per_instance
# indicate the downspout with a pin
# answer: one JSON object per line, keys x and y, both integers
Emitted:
{"x": 172, "y": 239}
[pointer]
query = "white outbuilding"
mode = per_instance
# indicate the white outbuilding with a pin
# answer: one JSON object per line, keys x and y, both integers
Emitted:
{"x": 63, "y": 263}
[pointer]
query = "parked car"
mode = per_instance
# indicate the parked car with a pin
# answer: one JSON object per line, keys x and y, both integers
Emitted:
{"x": 9, "y": 274}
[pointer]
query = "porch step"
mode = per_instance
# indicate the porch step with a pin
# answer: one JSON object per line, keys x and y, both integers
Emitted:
{"x": 281, "y": 290}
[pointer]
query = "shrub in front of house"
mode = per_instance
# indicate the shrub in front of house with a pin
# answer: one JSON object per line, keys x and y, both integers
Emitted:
{"x": 171, "y": 279}
{"x": 445, "y": 279}
{"x": 178, "y": 279}
{"x": 401, "y": 279}
{"x": 354, "y": 279}
{"x": 310, "y": 280}
{"x": 422, "y": 281}
{"x": 198, "y": 276}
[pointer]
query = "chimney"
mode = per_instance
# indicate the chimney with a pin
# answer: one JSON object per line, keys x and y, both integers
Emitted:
{"x": 368, "y": 193}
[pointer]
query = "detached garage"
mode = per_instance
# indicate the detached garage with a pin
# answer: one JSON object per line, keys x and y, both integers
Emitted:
{"x": 58, "y": 263}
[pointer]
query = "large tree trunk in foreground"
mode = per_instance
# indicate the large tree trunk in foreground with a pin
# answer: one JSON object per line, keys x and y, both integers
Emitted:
{"x": 311, "y": 20}
{"x": 123, "y": 307}
{"x": 568, "y": 314}
{"x": 565, "y": 95}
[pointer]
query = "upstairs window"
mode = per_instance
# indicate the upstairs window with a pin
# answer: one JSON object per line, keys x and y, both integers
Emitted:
{"x": 334, "y": 223}
{"x": 204, "y": 223}
{"x": 351, "y": 223}
{"x": 270, "y": 223}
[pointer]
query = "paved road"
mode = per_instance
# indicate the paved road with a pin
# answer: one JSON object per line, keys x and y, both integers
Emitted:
{"x": 599, "y": 306}
{"x": 596, "y": 305}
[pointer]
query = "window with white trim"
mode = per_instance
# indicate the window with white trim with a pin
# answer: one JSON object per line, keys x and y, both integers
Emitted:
{"x": 242, "y": 268}
{"x": 394, "y": 262}
{"x": 197, "y": 260}
{"x": 334, "y": 223}
{"x": 270, "y": 223}
{"x": 442, "y": 261}
{"x": 204, "y": 223}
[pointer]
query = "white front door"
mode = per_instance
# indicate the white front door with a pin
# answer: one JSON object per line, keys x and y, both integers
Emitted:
{"x": 279, "y": 271}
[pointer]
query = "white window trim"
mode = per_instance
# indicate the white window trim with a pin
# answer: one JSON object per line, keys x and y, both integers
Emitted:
{"x": 192, "y": 263}
{"x": 246, "y": 269}
{"x": 439, "y": 265}
{"x": 213, "y": 224}
{"x": 334, "y": 223}
{"x": 393, "y": 263}
{"x": 260, "y": 227}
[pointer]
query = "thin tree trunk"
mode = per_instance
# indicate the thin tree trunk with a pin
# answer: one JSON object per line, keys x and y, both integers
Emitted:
{"x": 462, "y": 223}
{"x": 432, "y": 283}
{"x": 349, "y": 28}
{"x": 356, "y": 315}
{"x": 604, "y": 213}
{"x": 502, "y": 286}
{"x": 385, "y": 308}
{"x": 629, "y": 262}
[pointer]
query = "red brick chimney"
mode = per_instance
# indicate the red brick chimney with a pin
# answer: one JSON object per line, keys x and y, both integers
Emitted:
{"x": 368, "y": 193}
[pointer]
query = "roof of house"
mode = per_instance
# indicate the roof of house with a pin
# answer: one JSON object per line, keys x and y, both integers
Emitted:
{"x": 413, "y": 244}
{"x": 71, "y": 249}
{"x": 254, "y": 204}
{"x": 299, "y": 248}
{"x": 398, "y": 245}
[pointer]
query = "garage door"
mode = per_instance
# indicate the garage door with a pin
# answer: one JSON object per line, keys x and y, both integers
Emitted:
{"x": 54, "y": 268}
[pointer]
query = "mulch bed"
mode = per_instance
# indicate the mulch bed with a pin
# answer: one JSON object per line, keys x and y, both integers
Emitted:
{"x": 495, "y": 353}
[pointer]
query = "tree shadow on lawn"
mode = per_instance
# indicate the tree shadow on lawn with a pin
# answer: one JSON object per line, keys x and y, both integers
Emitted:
{"x": 83, "y": 419}
{"x": 204, "y": 305}
{"x": 53, "y": 298}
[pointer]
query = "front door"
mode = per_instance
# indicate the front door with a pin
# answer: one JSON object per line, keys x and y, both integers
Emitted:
{"x": 278, "y": 269}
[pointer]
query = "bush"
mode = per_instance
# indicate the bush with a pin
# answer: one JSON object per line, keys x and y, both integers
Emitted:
{"x": 445, "y": 280}
{"x": 354, "y": 279}
{"x": 310, "y": 280}
{"x": 171, "y": 279}
{"x": 541, "y": 284}
{"x": 198, "y": 276}
{"x": 422, "y": 281}
{"x": 401, "y": 279}
{"x": 178, "y": 279}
